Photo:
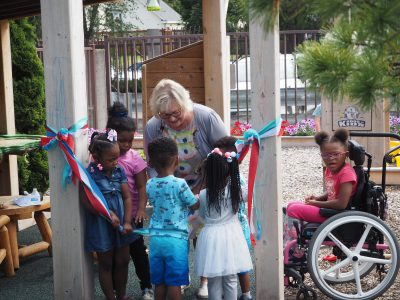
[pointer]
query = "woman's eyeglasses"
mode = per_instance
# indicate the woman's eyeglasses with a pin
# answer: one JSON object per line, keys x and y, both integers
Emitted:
{"x": 176, "y": 114}
{"x": 333, "y": 155}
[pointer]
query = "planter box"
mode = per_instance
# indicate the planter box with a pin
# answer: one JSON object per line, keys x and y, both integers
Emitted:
{"x": 298, "y": 141}
{"x": 294, "y": 141}
{"x": 392, "y": 175}
{"x": 287, "y": 141}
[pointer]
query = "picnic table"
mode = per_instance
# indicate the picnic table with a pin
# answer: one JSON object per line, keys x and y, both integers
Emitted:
{"x": 20, "y": 213}
{"x": 18, "y": 144}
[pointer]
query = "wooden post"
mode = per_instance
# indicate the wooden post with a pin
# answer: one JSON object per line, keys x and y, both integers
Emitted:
{"x": 8, "y": 169}
{"x": 265, "y": 107}
{"x": 216, "y": 58}
{"x": 66, "y": 103}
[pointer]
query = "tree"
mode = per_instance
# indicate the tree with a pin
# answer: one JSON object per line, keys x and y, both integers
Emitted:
{"x": 297, "y": 15}
{"x": 107, "y": 17}
{"x": 191, "y": 12}
{"x": 359, "y": 56}
{"x": 29, "y": 99}
{"x": 293, "y": 14}
{"x": 175, "y": 4}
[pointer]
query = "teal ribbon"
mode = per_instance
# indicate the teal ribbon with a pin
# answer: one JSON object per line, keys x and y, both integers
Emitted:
{"x": 64, "y": 135}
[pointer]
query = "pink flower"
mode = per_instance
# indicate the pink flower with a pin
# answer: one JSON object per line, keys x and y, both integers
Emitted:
{"x": 92, "y": 169}
{"x": 239, "y": 128}
{"x": 100, "y": 167}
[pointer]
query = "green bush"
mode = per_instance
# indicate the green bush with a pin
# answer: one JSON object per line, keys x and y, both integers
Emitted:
{"x": 29, "y": 103}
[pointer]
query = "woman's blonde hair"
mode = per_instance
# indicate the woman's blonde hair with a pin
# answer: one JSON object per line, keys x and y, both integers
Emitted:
{"x": 165, "y": 92}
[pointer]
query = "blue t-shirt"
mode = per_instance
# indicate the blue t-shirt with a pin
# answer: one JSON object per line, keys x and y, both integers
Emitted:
{"x": 171, "y": 198}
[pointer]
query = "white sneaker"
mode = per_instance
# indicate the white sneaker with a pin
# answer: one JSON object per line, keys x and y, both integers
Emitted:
{"x": 147, "y": 294}
{"x": 202, "y": 293}
{"x": 185, "y": 287}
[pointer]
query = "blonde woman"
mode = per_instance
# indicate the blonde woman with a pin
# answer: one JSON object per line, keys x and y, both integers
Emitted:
{"x": 194, "y": 127}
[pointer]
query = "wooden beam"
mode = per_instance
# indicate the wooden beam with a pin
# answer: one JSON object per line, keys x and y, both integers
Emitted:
{"x": 66, "y": 103}
{"x": 8, "y": 169}
{"x": 216, "y": 58}
{"x": 265, "y": 107}
{"x": 7, "y": 120}
{"x": 16, "y": 9}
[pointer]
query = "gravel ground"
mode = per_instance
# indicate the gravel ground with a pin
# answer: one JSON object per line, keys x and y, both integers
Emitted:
{"x": 302, "y": 176}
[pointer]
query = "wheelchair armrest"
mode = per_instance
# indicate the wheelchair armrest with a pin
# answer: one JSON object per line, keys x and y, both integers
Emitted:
{"x": 328, "y": 212}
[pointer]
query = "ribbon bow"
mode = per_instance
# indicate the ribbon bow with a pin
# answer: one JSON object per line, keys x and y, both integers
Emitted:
{"x": 63, "y": 137}
{"x": 74, "y": 169}
{"x": 253, "y": 137}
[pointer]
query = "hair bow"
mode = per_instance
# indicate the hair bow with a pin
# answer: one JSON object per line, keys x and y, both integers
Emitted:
{"x": 216, "y": 151}
{"x": 229, "y": 156}
{"x": 112, "y": 135}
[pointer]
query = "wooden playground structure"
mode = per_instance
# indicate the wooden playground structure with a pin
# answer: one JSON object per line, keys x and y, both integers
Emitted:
{"x": 62, "y": 26}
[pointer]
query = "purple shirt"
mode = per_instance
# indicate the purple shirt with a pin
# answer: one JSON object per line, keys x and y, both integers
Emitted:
{"x": 132, "y": 163}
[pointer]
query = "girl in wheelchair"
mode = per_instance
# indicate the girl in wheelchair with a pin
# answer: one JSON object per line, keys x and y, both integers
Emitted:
{"x": 353, "y": 254}
{"x": 340, "y": 180}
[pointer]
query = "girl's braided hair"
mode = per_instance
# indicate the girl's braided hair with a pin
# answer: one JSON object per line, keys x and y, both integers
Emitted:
{"x": 118, "y": 118}
{"x": 101, "y": 141}
{"x": 219, "y": 173}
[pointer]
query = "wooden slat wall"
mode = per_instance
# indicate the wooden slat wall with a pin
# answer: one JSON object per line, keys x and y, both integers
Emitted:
{"x": 380, "y": 123}
{"x": 185, "y": 65}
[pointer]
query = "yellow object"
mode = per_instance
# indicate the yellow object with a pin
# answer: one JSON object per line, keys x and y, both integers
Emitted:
{"x": 397, "y": 158}
{"x": 153, "y": 5}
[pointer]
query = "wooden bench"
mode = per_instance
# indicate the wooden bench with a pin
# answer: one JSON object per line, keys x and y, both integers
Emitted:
{"x": 16, "y": 213}
{"x": 5, "y": 248}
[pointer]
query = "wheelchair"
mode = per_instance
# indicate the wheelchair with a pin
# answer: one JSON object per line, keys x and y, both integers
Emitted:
{"x": 353, "y": 254}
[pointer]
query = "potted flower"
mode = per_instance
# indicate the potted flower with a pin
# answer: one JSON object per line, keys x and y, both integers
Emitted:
{"x": 302, "y": 128}
{"x": 239, "y": 128}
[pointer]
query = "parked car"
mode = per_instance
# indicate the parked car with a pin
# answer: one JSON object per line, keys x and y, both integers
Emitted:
{"x": 297, "y": 102}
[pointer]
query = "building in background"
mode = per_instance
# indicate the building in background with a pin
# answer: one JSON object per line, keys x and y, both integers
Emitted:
{"x": 153, "y": 21}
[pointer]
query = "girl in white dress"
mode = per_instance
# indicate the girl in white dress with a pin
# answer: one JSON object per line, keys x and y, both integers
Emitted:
{"x": 221, "y": 251}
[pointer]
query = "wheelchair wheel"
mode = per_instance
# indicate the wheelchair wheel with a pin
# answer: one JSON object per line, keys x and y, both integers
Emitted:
{"x": 365, "y": 242}
{"x": 345, "y": 276}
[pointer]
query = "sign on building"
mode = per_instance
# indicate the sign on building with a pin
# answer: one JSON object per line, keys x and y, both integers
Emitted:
{"x": 351, "y": 117}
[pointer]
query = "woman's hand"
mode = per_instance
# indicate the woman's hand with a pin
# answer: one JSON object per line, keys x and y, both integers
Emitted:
{"x": 141, "y": 216}
{"x": 114, "y": 219}
{"x": 127, "y": 228}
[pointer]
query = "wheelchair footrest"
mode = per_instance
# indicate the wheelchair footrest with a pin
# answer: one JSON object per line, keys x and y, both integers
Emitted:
{"x": 309, "y": 229}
